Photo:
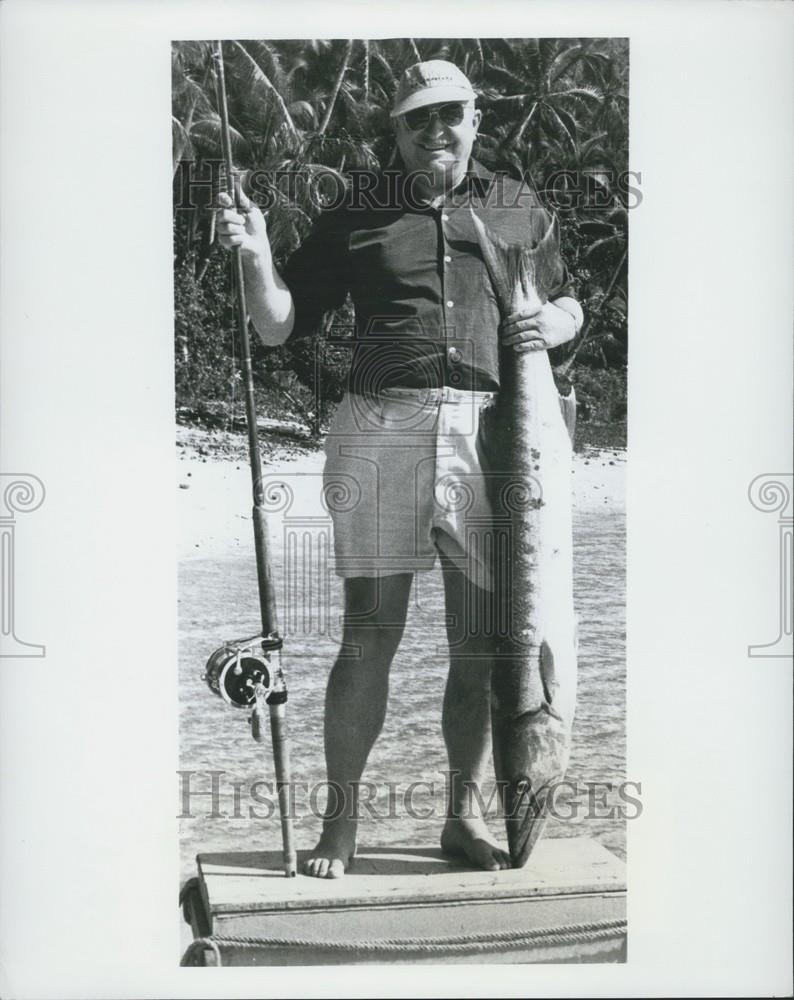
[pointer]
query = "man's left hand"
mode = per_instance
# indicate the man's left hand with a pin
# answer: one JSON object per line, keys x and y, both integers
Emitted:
{"x": 538, "y": 329}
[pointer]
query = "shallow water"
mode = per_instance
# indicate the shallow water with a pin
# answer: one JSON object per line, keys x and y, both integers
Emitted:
{"x": 217, "y": 601}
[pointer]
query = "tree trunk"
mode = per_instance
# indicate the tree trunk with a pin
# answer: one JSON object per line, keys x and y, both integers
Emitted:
{"x": 337, "y": 87}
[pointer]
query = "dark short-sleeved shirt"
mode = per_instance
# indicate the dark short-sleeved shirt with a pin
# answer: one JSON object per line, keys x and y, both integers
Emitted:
{"x": 426, "y": 312}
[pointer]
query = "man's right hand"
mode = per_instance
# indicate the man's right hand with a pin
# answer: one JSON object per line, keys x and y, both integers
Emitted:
{"x": 244, "y": 228}
{"x": 270, "y": 306}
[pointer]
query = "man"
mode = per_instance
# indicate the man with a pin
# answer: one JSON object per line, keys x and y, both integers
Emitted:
{"x": 405, "y": 440}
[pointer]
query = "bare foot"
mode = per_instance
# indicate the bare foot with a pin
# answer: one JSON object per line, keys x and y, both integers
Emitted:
{"x": 472, "y": 839}
{"x": 334, "y": 852}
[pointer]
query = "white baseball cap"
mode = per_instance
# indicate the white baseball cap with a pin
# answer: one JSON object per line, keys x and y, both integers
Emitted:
{"x": 433, "y": 82}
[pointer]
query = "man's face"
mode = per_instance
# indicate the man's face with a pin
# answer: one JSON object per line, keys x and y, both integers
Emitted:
{"x": 436, "y": 147}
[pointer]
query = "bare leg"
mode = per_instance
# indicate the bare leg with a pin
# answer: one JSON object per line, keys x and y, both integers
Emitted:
{"x": 355, "y": 707}
{"x": 466, "y": 721}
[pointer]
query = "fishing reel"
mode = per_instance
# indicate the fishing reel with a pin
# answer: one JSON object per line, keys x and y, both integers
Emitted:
{"x": 242, "y": 673}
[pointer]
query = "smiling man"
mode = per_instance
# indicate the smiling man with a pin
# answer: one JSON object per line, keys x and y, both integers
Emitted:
{"x": 436, "y": 125}
{"x": 405, "y": 459}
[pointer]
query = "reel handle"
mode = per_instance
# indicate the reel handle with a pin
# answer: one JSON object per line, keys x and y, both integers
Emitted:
{"x": 278, "y": 730}
{"x": 258, "y": 714}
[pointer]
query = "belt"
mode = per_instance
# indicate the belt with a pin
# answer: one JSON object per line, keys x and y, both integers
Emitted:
{"x": 443, "y": 394}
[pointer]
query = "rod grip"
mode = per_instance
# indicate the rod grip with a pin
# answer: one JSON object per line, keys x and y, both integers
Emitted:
{"x": 278, "y": 730}
{"x": 267, "y": 594}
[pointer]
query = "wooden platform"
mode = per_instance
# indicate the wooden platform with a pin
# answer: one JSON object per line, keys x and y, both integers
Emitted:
{"x": 410, "y": 905}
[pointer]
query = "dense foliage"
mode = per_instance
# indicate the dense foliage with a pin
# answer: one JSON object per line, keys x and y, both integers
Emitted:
{"x": 555, "y": 111}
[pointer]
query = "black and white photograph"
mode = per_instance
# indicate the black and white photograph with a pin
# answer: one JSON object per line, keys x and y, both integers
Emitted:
{"x": 395, "y": 499}
{"x": 432, "y": 237}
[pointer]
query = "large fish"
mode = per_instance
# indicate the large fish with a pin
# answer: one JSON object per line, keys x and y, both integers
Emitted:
{"x": 533, "y": 680}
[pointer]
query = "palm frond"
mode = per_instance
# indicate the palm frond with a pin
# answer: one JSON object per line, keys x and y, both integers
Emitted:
{"x": 206, "y": 135}
{"x": 268, "y": 59}
{"x": 509, "y": 76}
{"x": 584, "y": 93}
{"x": 565, "y": 122}
{"x": 562, "y": 62}
{"x": 250, "y": 76}
{"x": 181, "y": 146}
{"x": 599, "y": 246}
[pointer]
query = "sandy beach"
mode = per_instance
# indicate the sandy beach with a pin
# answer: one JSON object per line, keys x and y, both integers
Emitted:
{"x": 213, "y": 484}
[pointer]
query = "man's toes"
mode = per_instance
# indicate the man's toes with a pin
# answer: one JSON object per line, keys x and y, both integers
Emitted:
{"x": 322, "y": 867}
{"x": 502, "y": 858}
{"x": 336, "y": 869}
{"x": 491, "y": 858}
{"x": 483, "y": 856}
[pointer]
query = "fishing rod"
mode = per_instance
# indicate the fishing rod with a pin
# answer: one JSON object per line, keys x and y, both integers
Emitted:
{"x": 247, "y": 673}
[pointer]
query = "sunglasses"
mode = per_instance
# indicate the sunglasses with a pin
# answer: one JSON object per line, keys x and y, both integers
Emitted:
{"x": 449, "y": 114}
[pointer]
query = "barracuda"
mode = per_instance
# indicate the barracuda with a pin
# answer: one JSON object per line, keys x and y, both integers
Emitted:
{"x": 533, "y": 679}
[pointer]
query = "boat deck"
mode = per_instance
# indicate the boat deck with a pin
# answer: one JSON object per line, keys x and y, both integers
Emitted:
{"x": 411, "y": 905}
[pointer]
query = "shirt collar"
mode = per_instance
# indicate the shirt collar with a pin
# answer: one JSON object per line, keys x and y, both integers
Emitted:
{"x": 477, "y": 181}
{"x": 478, "y": 177}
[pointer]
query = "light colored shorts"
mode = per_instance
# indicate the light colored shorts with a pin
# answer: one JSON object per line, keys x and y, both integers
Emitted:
{"x": 403, "y": 481}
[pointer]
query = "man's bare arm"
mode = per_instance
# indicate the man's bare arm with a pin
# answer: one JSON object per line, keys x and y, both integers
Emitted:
{"x": 270, "y": 305}
{"x": 572, "y": 307}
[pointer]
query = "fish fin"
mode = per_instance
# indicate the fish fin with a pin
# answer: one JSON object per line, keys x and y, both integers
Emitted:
{"x": 511, "y": 267}
{"x": 545, "y": 259}
{"x": 548, "y": 676}
{"x": 520, "y": 274}
{"x": 494, "y": 252}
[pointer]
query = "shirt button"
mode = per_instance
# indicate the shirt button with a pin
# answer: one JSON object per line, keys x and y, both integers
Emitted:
{"x": 450, "y": 303}
{"x": 454, "y": 354}
{"x": 447, "y": 259}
